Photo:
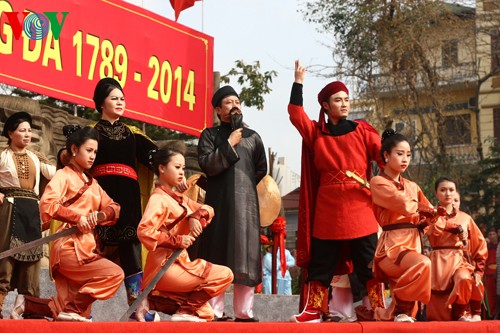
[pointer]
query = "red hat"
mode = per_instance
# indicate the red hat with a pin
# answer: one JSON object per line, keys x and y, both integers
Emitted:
{"x": 331, "y": 89}
{"x": 323, "y": 96}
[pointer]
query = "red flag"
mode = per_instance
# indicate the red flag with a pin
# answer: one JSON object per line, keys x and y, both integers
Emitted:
{"x": 180, "y": 5}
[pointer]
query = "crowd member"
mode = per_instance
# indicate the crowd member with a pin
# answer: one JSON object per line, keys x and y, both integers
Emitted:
{"x": 336, "y": 210}
{"x": 490, "y": 281}
{"x": 122, "y": 169}
{"x": 267, "y": 274}
{"x": 20, "y": 171}
{"x": 234, "y": 159}
{"x": 398, "y": 205}
{"x": 457, "y": 260}
{"x": 172, "y": 221}
{"x": 283, "y": 281}
{"x": 492, "y": 237}
{"x": 498, "y": 285}
{"x": 75, "y": 198}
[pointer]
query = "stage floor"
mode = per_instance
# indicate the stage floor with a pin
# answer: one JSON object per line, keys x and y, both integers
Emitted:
{"x": 41, "y": 326}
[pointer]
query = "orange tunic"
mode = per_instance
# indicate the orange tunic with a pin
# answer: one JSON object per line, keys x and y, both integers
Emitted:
{"x": 64, "y": 186}
{"x": 77, "y": 269}
{"x": 398, "y": 257}
{"x": 452, "y": 273}
{"x": 161, "y": 211}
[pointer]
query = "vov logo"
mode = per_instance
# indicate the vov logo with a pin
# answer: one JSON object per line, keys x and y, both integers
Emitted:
{"x": 35, "y": 25}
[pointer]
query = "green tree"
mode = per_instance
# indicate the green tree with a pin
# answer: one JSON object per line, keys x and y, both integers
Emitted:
{"x": 254, "y": 83}
{"x": 482, "y": 193}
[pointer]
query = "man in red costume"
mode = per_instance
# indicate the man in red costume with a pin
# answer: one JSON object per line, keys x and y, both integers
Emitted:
{"x": 334, "y": 210}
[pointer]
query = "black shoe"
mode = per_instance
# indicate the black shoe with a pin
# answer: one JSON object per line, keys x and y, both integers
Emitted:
{"x": 247, "y": 320}
{"x": 329, "y": 317}
{"x": 223, "y": 318}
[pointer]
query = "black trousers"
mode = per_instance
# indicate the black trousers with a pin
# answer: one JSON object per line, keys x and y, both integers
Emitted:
{"x": 325, "y": 255}
{"x": 126, "y": 254}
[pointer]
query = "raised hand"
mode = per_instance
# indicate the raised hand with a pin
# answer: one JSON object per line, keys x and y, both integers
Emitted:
{"x": 300, "y": 72}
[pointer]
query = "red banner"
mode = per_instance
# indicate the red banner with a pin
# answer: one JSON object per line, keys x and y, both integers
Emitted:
{"x": 61, "y": 48}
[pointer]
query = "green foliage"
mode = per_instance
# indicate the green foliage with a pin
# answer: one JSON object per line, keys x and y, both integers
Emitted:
{"x": 254, "y": 83}
{"x": 483, "y": 191}
{"x": 45, "y": 100}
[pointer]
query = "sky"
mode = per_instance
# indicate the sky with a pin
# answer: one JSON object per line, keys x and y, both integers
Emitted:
{"x": 274, "y": 33}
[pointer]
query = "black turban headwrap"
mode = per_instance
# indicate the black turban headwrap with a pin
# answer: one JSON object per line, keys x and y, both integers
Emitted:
{"x": 102, "y": 90}
{"x": 14, "y": 120}
{"x": 223, "y": 93}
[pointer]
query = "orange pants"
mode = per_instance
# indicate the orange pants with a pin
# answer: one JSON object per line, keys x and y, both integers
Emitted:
{"x": 193, "y": 292}
{"x": 408, "y": 281}
{"x": 79, "y": 285}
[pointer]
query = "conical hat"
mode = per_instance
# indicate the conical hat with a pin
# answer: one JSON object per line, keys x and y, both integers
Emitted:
{"x": 195, "y": 192}
{"x": 269, "y": 200}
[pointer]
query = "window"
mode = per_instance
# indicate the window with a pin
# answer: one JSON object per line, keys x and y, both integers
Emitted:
{"x": 496, "y": 125}
{"x": 495, "y": 50}
{"x": 457, "y": 130}
{"x": 449, "y": 53}
{"x": 407, "y": 128}
{"x": 402, "y": 62}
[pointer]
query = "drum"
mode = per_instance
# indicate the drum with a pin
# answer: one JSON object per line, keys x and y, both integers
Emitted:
{"x": 269, "y": 200}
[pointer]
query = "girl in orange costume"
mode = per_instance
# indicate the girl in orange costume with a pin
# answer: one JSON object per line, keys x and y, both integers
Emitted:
{"x": 398, "y": 206}
{"x": 169, "y": 222}
{"x": 458, "y": 259}
{"x": 76, "y": 199}
{"x": 490, "y": 281}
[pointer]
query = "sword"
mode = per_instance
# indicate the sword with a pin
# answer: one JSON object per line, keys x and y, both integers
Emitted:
{"x": 101, "y": 216}
{"x": 357, "y": 178}
{"x": 145, "y": 292}
{"x": 38, "y": 242}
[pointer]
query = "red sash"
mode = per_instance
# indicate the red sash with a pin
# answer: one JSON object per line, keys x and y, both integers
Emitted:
{"x": 114, "y": 169}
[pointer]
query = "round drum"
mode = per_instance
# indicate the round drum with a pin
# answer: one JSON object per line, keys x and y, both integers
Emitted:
{"x": 269, "y": 200}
